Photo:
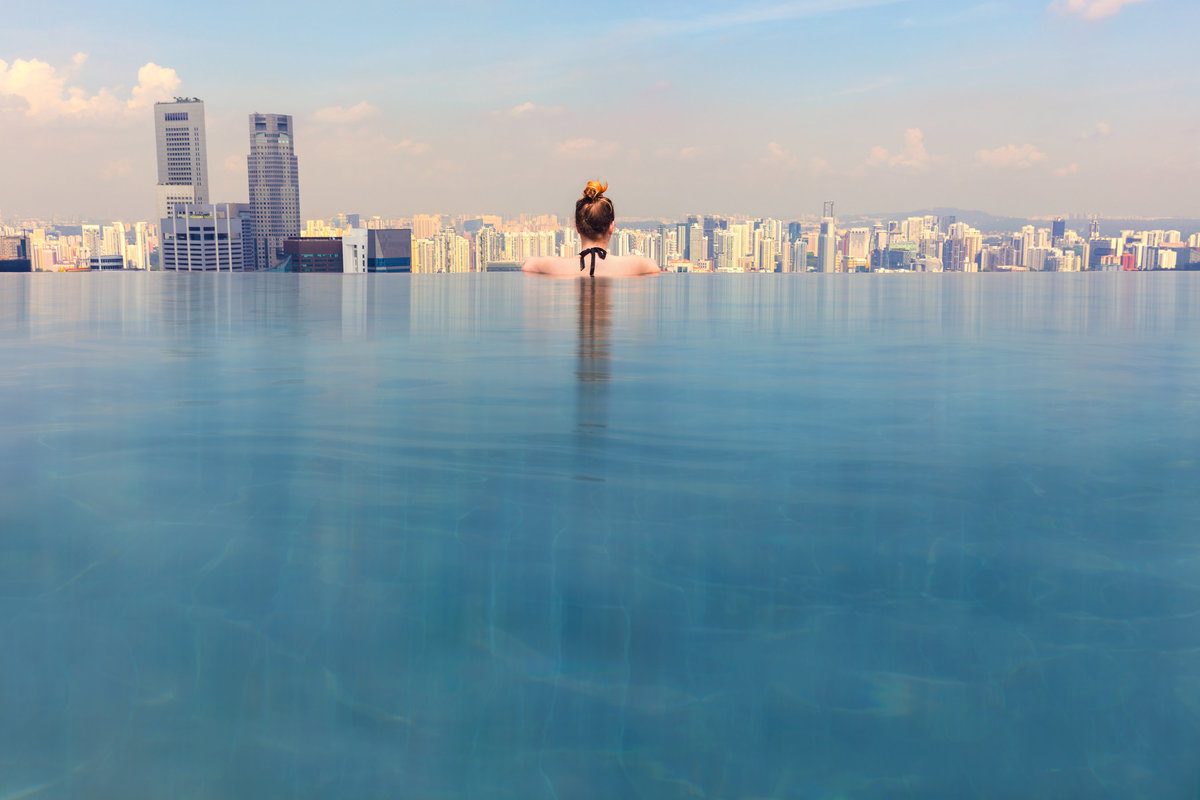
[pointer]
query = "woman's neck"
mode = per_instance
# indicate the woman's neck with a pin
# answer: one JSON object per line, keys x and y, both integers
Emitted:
{"x": 588, "y": 244}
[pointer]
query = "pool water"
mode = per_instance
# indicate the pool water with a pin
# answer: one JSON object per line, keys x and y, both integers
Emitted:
{"x": 490, "y": 536}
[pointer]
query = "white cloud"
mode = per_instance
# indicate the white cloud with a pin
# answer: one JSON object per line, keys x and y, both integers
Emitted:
{"x": 155, "y": 83}
{"x": 1101, "y": 130}
{"x": 348, "y": 130}
{"x": 46, "y": 94}
{"x": 529, "y": 109}
{"x": 914, "y": 156}
{"x": 412, "y": 148}
{"x": 780, "y": 158}
{"x": 689, "y": 153}
{"x": 1069, "y": 169}
{"x": 44, "y": 91}
{"x": 1011, "y": 156}
{"x": 341, "y": 115}
{"x": 1092, "y": 9}
{"x": 586, "y": 148}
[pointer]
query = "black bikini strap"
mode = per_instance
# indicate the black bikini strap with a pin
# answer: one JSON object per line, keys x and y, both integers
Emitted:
{"x": 593, "y": 252}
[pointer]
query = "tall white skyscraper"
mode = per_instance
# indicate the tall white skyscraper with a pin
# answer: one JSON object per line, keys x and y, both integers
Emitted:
{"x": 274, "y": 179}
{"x": 182, "y": 153}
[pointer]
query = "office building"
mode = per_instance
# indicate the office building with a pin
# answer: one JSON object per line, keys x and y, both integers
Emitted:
{"x": 311, "y": 255}
{"x": 182, "y": 153}
{"x": 858, "y": 243}
{"x": 106, "y": 262}
{"x": 272, "y": 172}
{"x": 354, "y": 251}
{"x": 389, "y": 250}
{"x": 206, "y": 238}
{"x": 827, "y": 246}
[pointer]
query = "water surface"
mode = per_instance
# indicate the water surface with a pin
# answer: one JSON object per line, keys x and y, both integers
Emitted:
{"x": 277, "y": 536}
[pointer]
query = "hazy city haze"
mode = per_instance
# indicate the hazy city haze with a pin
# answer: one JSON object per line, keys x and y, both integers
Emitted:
{"x": 1023, "y": 107}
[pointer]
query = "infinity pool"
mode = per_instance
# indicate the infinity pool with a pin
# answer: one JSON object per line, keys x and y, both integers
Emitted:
{"x": 276, "y": 536}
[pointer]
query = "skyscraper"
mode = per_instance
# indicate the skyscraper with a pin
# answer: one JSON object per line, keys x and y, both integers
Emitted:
{"x": 182, "y": 153}
{"x": 92, "y": 241}
{"x": 827, "y": 246}
{"x": 274, "y": 186}
{"x": 1058, "y": 231}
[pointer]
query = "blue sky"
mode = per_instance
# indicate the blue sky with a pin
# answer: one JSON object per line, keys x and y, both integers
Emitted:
{"x": 1012, "y": 106}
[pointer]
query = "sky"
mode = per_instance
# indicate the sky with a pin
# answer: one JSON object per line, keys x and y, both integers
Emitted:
{"x": 1020, "y": 107}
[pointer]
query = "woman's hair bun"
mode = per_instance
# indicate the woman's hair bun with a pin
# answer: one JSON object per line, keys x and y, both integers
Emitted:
{"x": 594, "y": 189}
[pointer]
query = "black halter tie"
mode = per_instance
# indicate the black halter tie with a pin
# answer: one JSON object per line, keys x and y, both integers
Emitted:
{"x": 593, "y": 252}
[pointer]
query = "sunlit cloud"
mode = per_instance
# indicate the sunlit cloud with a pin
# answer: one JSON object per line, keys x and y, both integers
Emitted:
{"x": 689, "y": 153}
{"x": 780, "y": 158}
{"x": 530, "y": 109}
{"x": 155, "y": 83}
{"x": 354, "y": 130}
{"x": 1067, "y": 171}
{"x": 1092, "y": 9}
{"x": 1102, "y": 130}
{"x": 44, "y": 91}
{"x": 585, "y": 148}
{"x": 914, "y": 156}
{"x": 342, "y": 115}
{"x": 1011, "y": 156}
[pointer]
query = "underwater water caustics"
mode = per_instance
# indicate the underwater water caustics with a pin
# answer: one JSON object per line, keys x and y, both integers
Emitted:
{"x": 490, "y": 536}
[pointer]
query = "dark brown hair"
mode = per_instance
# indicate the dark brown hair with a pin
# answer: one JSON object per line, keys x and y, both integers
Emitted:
{"x": 594, "y": 212}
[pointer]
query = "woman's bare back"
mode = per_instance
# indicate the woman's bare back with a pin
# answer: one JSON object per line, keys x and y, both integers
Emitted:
{"x": 610, "y": 267}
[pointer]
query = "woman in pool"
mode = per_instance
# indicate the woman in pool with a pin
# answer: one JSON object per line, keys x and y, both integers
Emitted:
{"x": 595, "y": 220}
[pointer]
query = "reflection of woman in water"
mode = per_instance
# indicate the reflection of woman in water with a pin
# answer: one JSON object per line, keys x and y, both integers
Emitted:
{"x": 593, "y": 370}
{"x": 595, "y": 219}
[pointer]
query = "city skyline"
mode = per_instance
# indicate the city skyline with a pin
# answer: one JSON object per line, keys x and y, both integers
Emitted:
{"x": 1021, "y": 108}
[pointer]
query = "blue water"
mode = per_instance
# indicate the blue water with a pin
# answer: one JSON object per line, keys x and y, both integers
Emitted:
{"x": 490, "y": 536}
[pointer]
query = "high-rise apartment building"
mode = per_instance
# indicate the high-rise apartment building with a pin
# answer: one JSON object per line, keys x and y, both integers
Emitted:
{"x": 92, "y": 241}
{"x": 426, "y": 226}
{"x": 14, "y": 254}
{"x": 274, "y": 180}
{"x": 182, "y": 154}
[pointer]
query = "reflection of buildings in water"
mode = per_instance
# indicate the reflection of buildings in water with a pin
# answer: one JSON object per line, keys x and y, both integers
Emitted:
{"x": 594, "y": 362}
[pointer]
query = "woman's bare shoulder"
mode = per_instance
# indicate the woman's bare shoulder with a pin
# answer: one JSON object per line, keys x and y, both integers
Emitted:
{"x": 547, "y": 265}
{"x": 635, "y": 265}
